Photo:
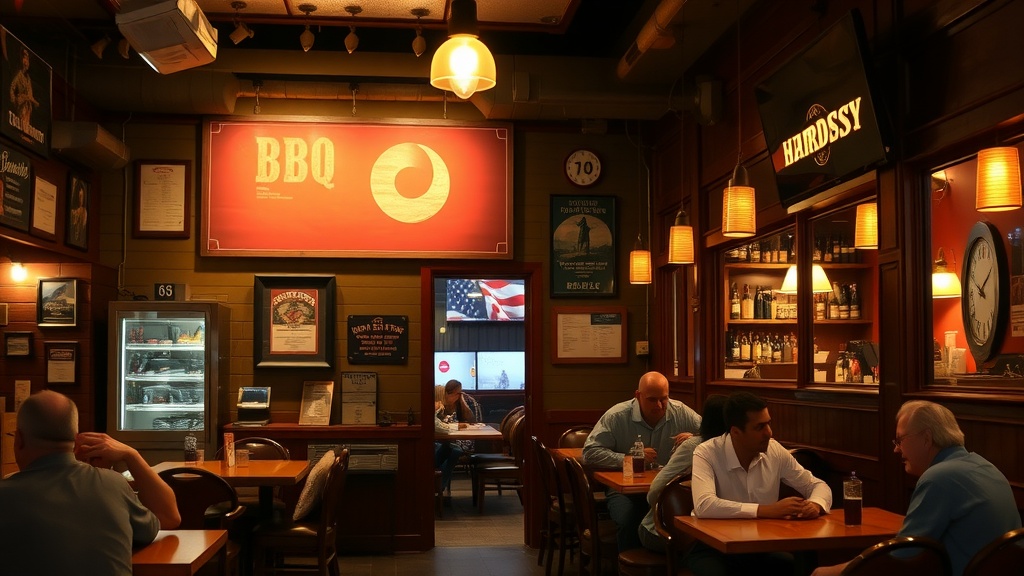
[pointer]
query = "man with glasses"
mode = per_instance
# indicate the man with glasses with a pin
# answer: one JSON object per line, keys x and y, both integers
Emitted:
{"x": 65, "y": 511}
{"x": 961, "y": 499}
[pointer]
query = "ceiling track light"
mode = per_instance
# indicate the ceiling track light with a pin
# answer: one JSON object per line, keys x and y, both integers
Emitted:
{"x": 242, "y": 30}
{"x": 419, "y": 43}
{"x": 99, "y": 46}
{"x": 306, "y": 38}
{"x": 352, "y": 40}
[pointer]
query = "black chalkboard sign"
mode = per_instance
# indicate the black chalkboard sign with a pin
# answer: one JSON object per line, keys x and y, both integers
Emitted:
{"x": 378, "y": 339}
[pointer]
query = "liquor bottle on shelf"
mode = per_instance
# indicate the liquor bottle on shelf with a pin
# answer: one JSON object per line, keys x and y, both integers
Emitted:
{"x": 837, "y": 250}
{"x": 735, "y": 347}
{"x": 744, "y": 348}
{"x": 844, "y": 302}
{"x": 792, "y": 341}
{"x": 755, "y": 251}
{"x": 744, "y": 254}
{"x": 746, "y": 304}
{"x": 783, "y": 253}
{"x": 734, "y": 303}
{"x": 787, "y": 350}
{"x": 826, "y": 250}
{"x": 819, "y": 306}
{"x": 776, "y": 349}
{"x": 833, "y": 303}
{"x": 757, "y": 351}
{"x": 854, "y": 303}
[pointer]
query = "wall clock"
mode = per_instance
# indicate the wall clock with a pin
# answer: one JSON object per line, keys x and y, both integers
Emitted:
{"x": 985, "y": 294}
{"x": 583, "y": 167}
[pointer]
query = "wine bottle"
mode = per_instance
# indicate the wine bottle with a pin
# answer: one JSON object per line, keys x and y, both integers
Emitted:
{"x": 745, "y": 348}
{"x": 757, "y": 350}
{"x": 755, "y": 252}
{"x": 819, "y": 306}
{"x": 734, "y": 303}
{"x": 735, "y": 356}
{"x": 844, "y": 302}
{"x": 747, "y": 304}
{"x": 776, "y": 349}
{"x": 787, "y": 350}
{"x": 837, "y": 250}
{"x": 833, "y": 303}
{"x": 854, "y": 303}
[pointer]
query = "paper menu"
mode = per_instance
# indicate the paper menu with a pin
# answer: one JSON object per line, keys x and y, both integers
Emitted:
{"x": 229, "y": 448}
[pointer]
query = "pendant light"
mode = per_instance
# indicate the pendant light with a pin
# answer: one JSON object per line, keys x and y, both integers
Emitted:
{"x": 945, "y": 284}
{"x": 739, "y": 209}
{"x": 865, "y": 231}
{"x": 640, "y": 257}
{"x": 680, "y": 240}
{"x": 463, "y": 64}
{"x": 998, "y": 186}
{"x": 819, "y": 281}
{"x": 306, "y": 38}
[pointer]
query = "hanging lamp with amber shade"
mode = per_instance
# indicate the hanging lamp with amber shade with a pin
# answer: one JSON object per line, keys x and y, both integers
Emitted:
{"x": 639, "y": 263}
{"x": 680, "y": 240}
{"x": 865, "y": 231}
{"x": 998, "y": 180}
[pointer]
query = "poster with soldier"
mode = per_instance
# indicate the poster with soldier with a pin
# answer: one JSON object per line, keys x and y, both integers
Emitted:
{"x": 583, "y": 246}
{"x": 25, "y": 93}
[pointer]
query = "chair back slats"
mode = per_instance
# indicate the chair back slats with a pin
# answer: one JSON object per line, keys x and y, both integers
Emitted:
{"x": 1003, "y": 556}
{"x": 574, "y": 437}
{"x": 676, "y": 499}
{"x": 263, "y": 448}
{"x": 196, "y": 491}
{"x": 901, "y": 555}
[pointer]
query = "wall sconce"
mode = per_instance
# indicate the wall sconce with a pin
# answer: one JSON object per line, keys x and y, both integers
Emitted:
{"x": 819, "y": 281}
{"x": 306, "y": 38}
{"x": 419, "y": 43}
{"x": 18, "y": 272}
{"x": 680, "y": 240}
{"x": 998, "y": 180}
{"x": 639, "y": 263}
{"x": 99, "y": 46}
{"x": 945, "y": 284}
{"x": 463, "y": 64}
{"x": 865, "y": 231}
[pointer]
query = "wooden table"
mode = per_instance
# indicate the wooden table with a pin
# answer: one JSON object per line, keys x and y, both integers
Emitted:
{"x": 828, "y": 532}
{"x": 266, "y": 474}
{"x": 473, "y": 432}
{"x": 178, "y": 552}
{"x": 615, "y": 480}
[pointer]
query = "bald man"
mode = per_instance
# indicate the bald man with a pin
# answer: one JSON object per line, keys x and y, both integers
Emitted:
{"x": 66, "y": 512}
{"x": 662, "y": 424}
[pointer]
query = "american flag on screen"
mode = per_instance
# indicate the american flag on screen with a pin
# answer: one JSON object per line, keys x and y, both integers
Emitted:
{"x": 486, "y": 299}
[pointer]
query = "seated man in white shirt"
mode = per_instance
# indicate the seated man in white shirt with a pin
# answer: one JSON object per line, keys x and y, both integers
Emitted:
{"x": 737, "y": 475}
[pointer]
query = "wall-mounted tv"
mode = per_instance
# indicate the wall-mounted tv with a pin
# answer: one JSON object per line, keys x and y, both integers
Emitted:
{"x": 820, "y": 121}
{"x": 471, "y": 299}
{"x": 459, "y": 366}
{"x": 501, "y": 370}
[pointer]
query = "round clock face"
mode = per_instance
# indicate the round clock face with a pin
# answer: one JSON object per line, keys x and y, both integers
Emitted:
{"x": 583, "y": 167}
{"x": 984, "y": 293}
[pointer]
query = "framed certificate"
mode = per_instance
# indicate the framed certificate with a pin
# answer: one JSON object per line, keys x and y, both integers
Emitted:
{"x": 293, "y": 321}
{"x": 162, "y": 193}
{"x": 589, "y": 335}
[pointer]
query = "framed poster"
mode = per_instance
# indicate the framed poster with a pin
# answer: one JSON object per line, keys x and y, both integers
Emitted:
{"x": 57, "y": 302}
{"x": 18, "y": 344}
{"x": 61, "y": 362}
{"x": 25, "y": 95}
{"x": 15, "y": 188}
{"x": 378, "y": 339}
{"x": 44, "y": 209}
{"x": 588, "y": 335}
{"x": 583, "y": 246}
{"x": 293, "y": 321}
{"x": 162, "y": 193}
{"x": 77, "y": 225}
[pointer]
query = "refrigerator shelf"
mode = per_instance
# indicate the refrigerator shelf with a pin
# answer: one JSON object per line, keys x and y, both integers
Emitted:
{"x": 164, "y": 407}
{"x": 169, "y": 378}
{"x": 152, "y": 347}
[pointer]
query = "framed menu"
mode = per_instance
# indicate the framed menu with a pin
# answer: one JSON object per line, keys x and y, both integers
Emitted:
{"x": 162, "y": 192}
{"x": 589, "y": 335}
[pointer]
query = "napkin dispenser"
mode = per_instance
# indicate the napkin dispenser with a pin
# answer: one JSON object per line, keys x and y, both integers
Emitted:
{"x": 253, "y": 406}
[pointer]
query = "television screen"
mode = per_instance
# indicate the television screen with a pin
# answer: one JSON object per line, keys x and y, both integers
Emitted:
{"x": 494, "y": 300}
{"x": 459, "y": 366}
{"x": 501, "y": 370}
{"x": 819, "y": 118}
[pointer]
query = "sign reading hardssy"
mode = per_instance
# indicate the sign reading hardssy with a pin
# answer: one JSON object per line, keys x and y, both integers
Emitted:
{"x": 356, "y": 190}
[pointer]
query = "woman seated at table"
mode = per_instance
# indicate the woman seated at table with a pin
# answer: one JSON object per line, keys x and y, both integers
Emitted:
{"x": 451, "y": 412}
{"x": 712, "y": 425}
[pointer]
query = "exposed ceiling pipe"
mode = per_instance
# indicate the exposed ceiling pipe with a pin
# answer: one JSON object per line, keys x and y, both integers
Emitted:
{"x": 372, "y": 91}
{"x": 658, "y": 33}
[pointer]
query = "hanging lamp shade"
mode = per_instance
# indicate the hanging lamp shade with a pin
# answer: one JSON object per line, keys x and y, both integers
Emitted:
{"x": 739, "y": 209}
{"x": 945, "y": 283}
{"x": 463, "y": 64}
{"x": 680, "y": 240}
{"x": 998, "y": 186}
{"x": 865, "y": 232}
{"x": 819, "y": 280}
{"x": 639, "y": 264}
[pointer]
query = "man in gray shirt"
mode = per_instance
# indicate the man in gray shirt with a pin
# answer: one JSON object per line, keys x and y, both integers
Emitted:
{"x": 660, "y": 422}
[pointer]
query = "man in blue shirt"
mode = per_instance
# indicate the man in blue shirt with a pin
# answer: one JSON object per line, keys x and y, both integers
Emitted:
{"x": 961, "y": 499}
{"x": 660, "y": 422}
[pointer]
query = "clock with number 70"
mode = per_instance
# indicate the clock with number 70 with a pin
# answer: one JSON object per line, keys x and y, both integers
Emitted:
{"x": 985, "y": 291}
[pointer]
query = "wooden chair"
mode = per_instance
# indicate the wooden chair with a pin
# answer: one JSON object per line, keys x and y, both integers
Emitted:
{"x": 503, "y": 476}
{"x": 505, "y": 457}
{"x": 597, "y": 537}
{"x": 1004, "y": 556}
{"x": 675, "y": 500}
{"x": 574, "y": 437}
{"x": 314, "y": 537}
{"x": 205, "y": 500}
{"x": 919, "y": 555}
{"x": 559, "y": 527}
{"x": 263, "y": 448}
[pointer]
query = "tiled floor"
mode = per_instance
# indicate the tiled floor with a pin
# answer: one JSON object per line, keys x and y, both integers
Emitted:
{"x": 468, "y": 543}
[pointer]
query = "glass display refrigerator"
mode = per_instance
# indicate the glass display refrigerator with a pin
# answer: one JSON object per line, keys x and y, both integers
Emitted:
{"x": 168, "y": 375}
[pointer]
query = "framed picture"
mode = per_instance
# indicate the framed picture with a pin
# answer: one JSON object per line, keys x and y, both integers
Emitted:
{"x": 77, "y": 225}
{"x": 26, "y": 96}
{"x": 162, "y": 193}
{"x": 293, "y": 321}
{"x": 18, "y": 344}
{"x": 588, "y": 335}
{"x": 583, "y": 246}
{"x": 57, "y": 302}
{"x": 61, "y": 362}
{"x": 44, "y": 209}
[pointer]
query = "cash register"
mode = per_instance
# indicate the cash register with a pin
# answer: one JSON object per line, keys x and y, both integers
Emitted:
{"x": 253, "y": 406}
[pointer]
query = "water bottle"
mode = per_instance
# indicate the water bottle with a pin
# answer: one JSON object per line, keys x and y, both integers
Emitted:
{"x": 853, "y": 499}
{"x": 627, "y": 467}
{"x": 638, "y": 456}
